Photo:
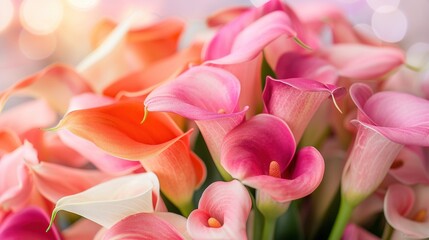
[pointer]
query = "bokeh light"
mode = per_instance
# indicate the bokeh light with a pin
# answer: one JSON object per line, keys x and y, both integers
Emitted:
{"x": 83, "y": 4}
{"x": 37, "y": 47}
{"x": 418, "y": 55}
{"x": 258, "y": 3}
{"x": 41, "y": 16}
{"x": 6, "y": 15}
{"x": 389, "y": 26}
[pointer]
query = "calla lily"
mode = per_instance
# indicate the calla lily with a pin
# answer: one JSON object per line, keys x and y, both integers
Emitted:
{"x": 207, "y": 95}
{"x": 298, "y": 65}
{"x": 65, "y": 80}
{"x": 158, "y": 225}
{"x": 225, "y": 16}
{"x": 141, "y": 83}
{"x": 238, "y": 46}
{"x": 29, "y": 223}
{"x": 358, "y": 61}
{"x": 102, "y": 160}
{"x": 260, "y": 152}
{"x": 354, "y": 232}
{"x": 410, "y": 166}
{"x": 158, "y": 144}
{"x": 81, "y": 229}
{"x": 125, "y": 51}
{"x": 295, "y": 100}
{"x": 222, "y": 212}
{"x": 405, "y": 209}
{"x": 111, "y": 201}
{"x": 386, "y": 122}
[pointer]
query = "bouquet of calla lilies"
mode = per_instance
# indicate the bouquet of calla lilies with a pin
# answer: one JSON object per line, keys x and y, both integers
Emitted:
{"x": 263, "y": 129}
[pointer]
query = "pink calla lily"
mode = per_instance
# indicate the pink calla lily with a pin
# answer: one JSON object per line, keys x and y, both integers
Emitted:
{"x": 29, "y": 223}
{"x": 159, "y": 225}
{"x": 410, "y": 166}
{"x": 207, "y": 95}
{"x": 358, "y": 61}
{"x": 295, "y": 100}
{"x": 354, "y": 232}
{"x": 386, "y": 122}
{"x": 222, "y": 212}
{"x": 298, "y": 65}
{"x": 406, "y": 209}
{"x": 260, "y": 152}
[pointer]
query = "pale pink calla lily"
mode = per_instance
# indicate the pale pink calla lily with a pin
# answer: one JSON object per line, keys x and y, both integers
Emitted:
{"x": 63, "y": 79}
{"x": 205, "y": 94}
{"x": 29, "y": 223}
{"x": 222, "y": 212}
{"x": 158, "y": 225}
{"x": 405, "y": 208}
{"x": 358, "y": 61}
{"x": 111, "y": 201}
{"x": 295, "y": 100}
{"x": 260, "y": 152}
{"x": 386, "y": 122}
{"x": 82, "y": 229}
{"x": 410, "y": 166}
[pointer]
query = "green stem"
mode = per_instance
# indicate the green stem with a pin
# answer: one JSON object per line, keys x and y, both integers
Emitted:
{"x": 186, "y": 208}
{"x": 269, "y": 228}
{"x": 342, "y": 219}
{"x": 387, "y": 232}
{"x": 225, "y": 175}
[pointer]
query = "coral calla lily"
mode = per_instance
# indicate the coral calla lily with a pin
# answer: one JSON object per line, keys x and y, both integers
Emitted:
{"x": 207, "y": 95}
{"x": 159, "y": 225}
{"x": 29, "y": 223}
{"x": 222, "y": 212}
{"x": 142, "y": 46}
{"x": 65, "y": 80}
{"x": 260, "y": 152}
{"x": 406, "y": 209}
{"x": 158, "y": 144}
{"x": 111, "y": 201}
{"x": 295, "y": 100}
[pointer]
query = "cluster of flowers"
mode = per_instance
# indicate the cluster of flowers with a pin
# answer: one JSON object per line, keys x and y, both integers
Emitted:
{"x": 291, "y": 104}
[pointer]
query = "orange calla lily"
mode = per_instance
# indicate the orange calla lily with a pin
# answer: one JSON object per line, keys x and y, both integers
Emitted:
{"x": 157, "y": 143}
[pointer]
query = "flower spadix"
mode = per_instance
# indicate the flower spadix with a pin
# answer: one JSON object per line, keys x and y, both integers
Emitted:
{"x": 222, "y": 212}
{"x": 261, "y": 153}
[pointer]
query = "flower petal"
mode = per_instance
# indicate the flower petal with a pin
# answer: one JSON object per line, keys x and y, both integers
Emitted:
{"x": 63, "y": 79}
{"x": 111, "y": 201}
{"x": 156, "y": 226}
{"x": 301, "y": 180}
{"x": 248, "y": 149}
{"x": 29, "y": 223}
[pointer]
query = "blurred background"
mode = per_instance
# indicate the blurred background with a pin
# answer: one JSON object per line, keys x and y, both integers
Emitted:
{"x": 36, "y": 33}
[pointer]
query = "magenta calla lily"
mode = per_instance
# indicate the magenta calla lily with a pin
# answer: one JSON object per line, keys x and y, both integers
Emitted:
{"x": 160, "y": 225}
{"x": 29, "y": 223}
{"x": 295, "y": 100}
{"x": 406, "y": 209}
{"x": 260, "y": 152}
{"x": 205, "y": 94}
{"x": 222, "y": 212}
{"x": 299, "y": 65}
